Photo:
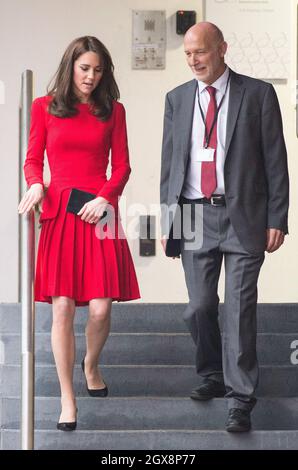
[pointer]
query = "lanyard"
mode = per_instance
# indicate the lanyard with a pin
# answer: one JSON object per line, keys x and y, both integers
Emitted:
{"x": 208, "y": 136}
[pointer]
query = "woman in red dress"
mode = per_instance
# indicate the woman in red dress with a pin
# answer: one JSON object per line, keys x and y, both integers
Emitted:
{"x": 78, "y": 123}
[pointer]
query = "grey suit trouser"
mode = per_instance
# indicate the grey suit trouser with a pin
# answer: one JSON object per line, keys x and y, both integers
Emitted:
{"x": 231, "y": 357}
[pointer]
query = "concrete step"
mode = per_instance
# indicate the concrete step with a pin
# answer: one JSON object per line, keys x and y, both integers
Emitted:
{"x": 140, "y": 317}
{"x": 146, "y": 380}
{"x": 154, "y": 413}
{"x": 148, "y": 366}
{"x": 155, "y": 440}
{"x": 148, "y": 348}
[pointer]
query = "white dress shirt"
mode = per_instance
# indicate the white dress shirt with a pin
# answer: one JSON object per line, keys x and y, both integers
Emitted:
{"x": 192, "y": 184}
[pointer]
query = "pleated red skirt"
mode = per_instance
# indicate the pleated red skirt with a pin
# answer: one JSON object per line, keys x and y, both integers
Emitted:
{"x": 73, "y": 261}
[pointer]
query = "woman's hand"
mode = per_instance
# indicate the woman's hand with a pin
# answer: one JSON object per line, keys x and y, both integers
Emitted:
{"x": 34, "y": 195}
{"x": 92, "y": 211}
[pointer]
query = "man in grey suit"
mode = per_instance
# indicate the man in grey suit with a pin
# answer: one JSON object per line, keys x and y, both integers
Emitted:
{"x": 223, "y": 154}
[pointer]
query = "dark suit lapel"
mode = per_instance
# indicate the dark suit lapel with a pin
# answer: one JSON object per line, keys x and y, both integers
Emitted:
{"x": 236, "y": 94}
{"x": 187, "y": 116}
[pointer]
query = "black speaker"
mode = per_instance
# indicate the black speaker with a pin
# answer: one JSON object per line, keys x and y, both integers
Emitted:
{"x": 147, "y": 235}
{"x": 184, "y": 20}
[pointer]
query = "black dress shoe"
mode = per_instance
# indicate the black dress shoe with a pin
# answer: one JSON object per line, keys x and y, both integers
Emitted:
{"x": 94, "y": 392}
{"x": 238, "y": 420}
{"x": 209, "y": 389}
{"x": 67, "y": 426}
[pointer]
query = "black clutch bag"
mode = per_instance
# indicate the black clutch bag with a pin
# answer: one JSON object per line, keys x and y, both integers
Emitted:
{"x": 77, "y": 199}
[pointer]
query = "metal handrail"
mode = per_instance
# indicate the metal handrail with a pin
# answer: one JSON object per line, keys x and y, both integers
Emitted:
{"x": 26, "y": 275}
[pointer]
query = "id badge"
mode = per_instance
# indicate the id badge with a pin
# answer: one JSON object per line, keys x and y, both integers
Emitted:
{"x": 205, "y": 155}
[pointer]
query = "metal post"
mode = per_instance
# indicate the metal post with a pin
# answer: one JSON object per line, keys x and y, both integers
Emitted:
{"x": 296, "y": 74}
{"x": 26, "y": 275}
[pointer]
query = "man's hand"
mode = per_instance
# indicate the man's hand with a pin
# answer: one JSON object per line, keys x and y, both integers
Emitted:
{"x": 275, "y": 239}
{"x": 92, "y": 211}
{"x": 163, "y": 242}
{"x": 34, "y": 195}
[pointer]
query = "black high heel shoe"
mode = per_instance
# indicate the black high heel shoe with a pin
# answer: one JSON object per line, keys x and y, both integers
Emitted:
{"x": 67, "y": 426}
{"x": 95, "y": 392}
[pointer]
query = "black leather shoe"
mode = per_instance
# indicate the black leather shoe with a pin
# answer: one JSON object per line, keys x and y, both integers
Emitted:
{"x": 238, "y": 420}
{"x": 67, "y": 426}
{"x": 95, "y": 392}
{"x": 209, "y": 389}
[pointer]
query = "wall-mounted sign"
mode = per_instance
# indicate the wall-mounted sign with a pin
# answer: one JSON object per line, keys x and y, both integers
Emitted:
{"x": 148, "y": 39}
{"x": 257, "y": 33}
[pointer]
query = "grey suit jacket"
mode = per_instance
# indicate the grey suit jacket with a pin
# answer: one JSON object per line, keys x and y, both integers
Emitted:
{"x": 255, "y": 171}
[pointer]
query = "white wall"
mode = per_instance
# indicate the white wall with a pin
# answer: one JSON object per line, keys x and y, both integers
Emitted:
{"x": 50, "y": 26}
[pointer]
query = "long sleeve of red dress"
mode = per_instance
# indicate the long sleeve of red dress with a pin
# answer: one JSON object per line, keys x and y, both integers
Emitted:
{"x": 120, "y": 160}
{"x": 34, "y": 162}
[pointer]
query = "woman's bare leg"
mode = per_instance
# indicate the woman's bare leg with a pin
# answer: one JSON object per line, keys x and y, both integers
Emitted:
{"x": 97, "y": 331}
{"x": 63, "y": 345}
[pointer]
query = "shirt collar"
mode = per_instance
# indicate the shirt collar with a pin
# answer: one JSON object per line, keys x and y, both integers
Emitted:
{"x": 220, "y": 84}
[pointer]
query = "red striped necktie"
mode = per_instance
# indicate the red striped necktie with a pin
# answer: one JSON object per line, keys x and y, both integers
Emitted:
{"x": 208, "y": 169}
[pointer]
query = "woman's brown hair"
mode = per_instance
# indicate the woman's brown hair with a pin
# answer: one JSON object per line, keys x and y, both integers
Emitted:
{"x": 64, "y": 98}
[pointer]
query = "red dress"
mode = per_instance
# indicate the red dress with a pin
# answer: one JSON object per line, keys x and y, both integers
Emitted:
{"x": 72, "y": 259}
